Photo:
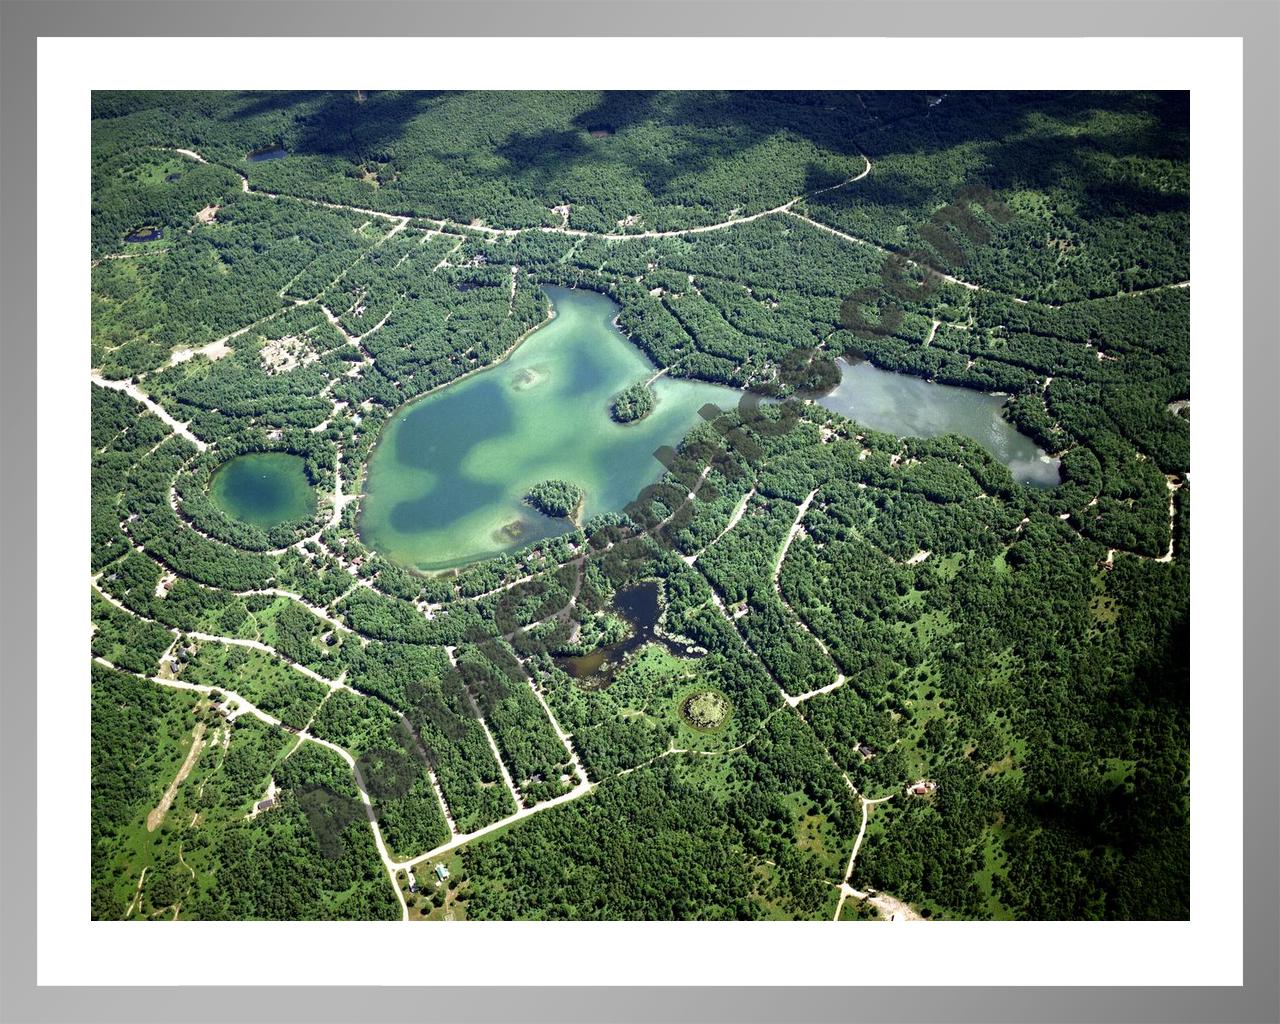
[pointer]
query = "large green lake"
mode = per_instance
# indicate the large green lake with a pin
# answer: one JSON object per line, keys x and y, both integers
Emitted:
{"x": 447, "y": 479}
{"x": 898, "y": 403}
{"x": 264, "y": 489}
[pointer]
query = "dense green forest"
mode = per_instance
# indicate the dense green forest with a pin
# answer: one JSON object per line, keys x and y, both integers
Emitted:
{"x": 556, "y": 498}
{"x": 994, "y": 677}
{"x": 633, "y": 403}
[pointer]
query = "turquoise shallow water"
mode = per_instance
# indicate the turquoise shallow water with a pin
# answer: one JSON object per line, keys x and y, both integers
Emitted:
{"x": 264, "y": 489}
{"x": 447, "y": 479}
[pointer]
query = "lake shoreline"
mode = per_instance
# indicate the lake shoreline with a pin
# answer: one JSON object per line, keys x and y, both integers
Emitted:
{"x": 906, "y": 404}
{"x": 368, "y": 459}
{"x": 942, "y": 409}
{"x": 434, "y": 500}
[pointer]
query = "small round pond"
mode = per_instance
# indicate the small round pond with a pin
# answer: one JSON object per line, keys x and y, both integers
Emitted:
{"x": 264, "y": 489}
{"x": 148, "y": 233}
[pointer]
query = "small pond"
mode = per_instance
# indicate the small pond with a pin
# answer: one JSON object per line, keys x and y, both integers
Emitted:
{"x": 264, "y": 489}
{"x": 898, "y": 403}
{"x": 145, "y": 234}
{"x": 639, "y": 605}
{"x": 271, "y": 153}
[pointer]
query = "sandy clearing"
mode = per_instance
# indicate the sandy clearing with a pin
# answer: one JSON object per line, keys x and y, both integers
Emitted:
{"x": 157, "y": 814}
{"x": 890, "y": 907}
{"x": 281, "y": 355}
{"x": 213, "y": 351}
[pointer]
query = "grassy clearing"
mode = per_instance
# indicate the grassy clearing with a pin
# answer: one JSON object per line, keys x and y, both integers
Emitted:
{"x": 261, "y": 679}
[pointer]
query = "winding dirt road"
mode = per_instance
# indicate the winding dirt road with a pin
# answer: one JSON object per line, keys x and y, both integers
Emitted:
{"x": 133, "y": 391}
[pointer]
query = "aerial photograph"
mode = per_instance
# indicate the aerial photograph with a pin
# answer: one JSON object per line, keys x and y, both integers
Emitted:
{"x": 633, "y": 506}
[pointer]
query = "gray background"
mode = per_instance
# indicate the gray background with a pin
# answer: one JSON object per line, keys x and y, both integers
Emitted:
{"x": 22, "y": 22}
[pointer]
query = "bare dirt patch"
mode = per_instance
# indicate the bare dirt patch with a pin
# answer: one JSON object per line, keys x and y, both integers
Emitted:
{"x": 891, "y": 908}
{"x": 280, "y": 355}
{"x": 213, "y": 351}
{"x": 165, "y": 583}
{"x": 156, "y": 817}
{"x": 208, "y": 215}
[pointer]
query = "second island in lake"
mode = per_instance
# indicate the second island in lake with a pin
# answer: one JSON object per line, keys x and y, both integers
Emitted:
{"x": 449, "y": 477}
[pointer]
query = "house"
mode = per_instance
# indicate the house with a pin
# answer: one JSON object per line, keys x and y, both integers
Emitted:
{"x": 442, "y": 872}
{"x": 266, "y": 805}
{"x": 922, "y": 788}
{"x": 413, "y": 882}
{"x": 866, "y": 751}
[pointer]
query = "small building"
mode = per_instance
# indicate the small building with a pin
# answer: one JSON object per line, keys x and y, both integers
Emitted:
{"x": 866, "y": 751}
{"x": 922, "y": 788}
{"x": 442, "y": 872}
{"x": 267, "y": 804}
{"x": 413, "y": 882}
